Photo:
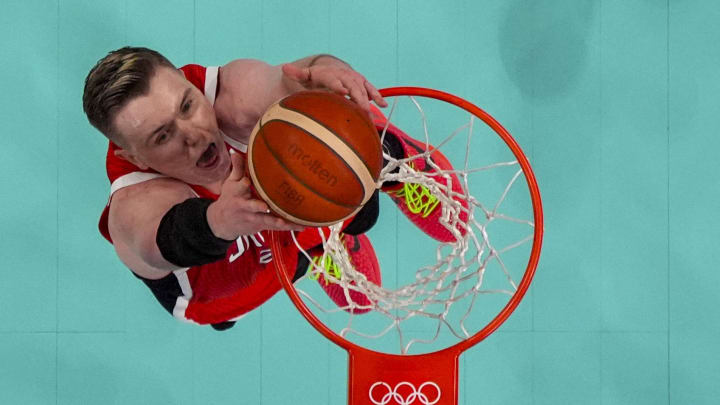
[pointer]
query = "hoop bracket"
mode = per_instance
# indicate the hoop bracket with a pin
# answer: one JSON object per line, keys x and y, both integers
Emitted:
{"x": 384, "y": 379}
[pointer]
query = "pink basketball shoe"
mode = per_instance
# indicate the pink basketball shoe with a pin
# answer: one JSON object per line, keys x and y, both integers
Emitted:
{"x": 362, "y": 256}
{"x": 415, "y": 200}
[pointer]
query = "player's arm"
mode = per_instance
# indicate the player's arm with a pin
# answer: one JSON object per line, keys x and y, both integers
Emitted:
{"x": 330, "y": 72}
{"x": 160, "y": 225}
{"x": 247, "y": 87}
{"x": 135, "y": 214}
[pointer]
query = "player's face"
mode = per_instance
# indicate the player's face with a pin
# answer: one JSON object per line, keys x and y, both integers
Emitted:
{"x": 173, "y": 130}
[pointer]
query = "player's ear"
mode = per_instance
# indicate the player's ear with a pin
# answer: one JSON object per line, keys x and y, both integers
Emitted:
{"x": 127, "y": 155}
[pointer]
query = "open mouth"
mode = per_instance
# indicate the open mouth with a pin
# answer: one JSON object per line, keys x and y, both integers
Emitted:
{"x": 209, "y": 158}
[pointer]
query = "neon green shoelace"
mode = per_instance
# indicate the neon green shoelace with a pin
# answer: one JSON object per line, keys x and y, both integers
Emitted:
{"x": 418, "y": 198}
{"x": 329, "y": 268}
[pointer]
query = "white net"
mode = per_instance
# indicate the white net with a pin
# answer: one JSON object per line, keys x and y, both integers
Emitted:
{"x": 433, "y": 294}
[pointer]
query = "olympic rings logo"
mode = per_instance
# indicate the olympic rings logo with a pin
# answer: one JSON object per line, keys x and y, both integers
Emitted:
{"x": 420, "y": 394}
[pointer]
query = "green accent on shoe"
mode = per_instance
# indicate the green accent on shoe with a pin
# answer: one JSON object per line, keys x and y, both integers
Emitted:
{"x": 328, "y": 266}
{"x": 418, "y": 198}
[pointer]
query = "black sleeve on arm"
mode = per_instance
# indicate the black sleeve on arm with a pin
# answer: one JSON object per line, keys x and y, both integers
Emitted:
{"x": 185, "y": 238}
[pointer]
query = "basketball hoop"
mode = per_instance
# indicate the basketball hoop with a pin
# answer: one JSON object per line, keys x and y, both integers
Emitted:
{"x": 499, "y": 244}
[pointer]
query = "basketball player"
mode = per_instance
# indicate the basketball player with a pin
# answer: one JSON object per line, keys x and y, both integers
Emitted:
{"x": 181, "y": 214}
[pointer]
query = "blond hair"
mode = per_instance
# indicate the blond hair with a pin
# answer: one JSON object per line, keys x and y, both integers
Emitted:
{"x": 115, "y": 80}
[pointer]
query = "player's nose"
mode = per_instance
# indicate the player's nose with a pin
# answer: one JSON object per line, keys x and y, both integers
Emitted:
{"x": 189, "y": 134}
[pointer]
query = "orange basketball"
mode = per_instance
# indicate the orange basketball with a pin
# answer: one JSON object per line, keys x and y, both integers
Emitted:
{"x": 315, "y": 158}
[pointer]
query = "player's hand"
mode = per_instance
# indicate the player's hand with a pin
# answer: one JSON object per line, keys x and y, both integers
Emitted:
{"x": 237, "y": 213}
{"x": 340, "y": 79}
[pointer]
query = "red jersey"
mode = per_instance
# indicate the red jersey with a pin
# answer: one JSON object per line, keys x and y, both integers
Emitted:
{"x": 215, "y": 292}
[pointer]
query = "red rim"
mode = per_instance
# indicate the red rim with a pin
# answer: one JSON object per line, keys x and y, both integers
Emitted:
{"x": 279, "y": 260}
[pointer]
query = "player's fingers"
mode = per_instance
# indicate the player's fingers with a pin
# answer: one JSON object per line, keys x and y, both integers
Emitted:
{"x": 241, "y": 188}
{"x": 267, "y": 220}
{"x": 358, "y": 94}
{"x": 296, "y": 73}
{"x": 255, "y": 206}
{"x": 360, "y": 83}
{"x": 279, "y": 224}
{"x": 375, "y": 94}
{"x": 337, "y": 86}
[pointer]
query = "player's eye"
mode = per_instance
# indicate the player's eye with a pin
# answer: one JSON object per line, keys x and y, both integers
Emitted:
{"x": 186, "y": 106}
{"x": 160, "y": 139}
